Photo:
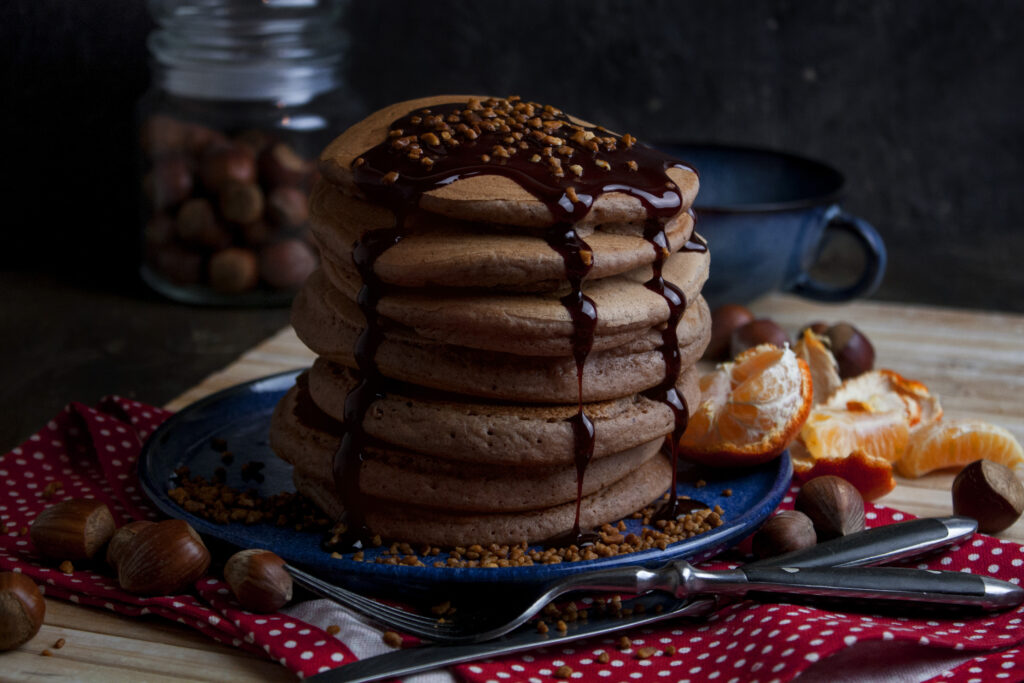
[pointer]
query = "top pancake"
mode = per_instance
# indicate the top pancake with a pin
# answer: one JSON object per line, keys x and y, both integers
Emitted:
{"x": 443, "y": 252}
{"x": 486, "y": 197}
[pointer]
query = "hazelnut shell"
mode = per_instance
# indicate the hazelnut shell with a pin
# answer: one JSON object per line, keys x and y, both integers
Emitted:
{"x": 163, "y": 559}
{"x": 234, "y": 270}
{"x": 852, "y": 350}
{"x": 287, "y": 207}
{"x": 122, "y": 538}
{"x": 287, "y": 264}
{"x": 242, "y": 202}
{"x": 168, "y": 183}
{"x": 280, "y": 165}
{"x": 834, "y": 505}
{"x": 788, "y": 531}
{"x": 258, "y": 579}
{"x": 223, "y": 164}
{"x": 990, "y": 493}
{"x": 73, "y": 529}
{"x": 22, "y": 609}
{"x": 724, "y": 320}
{"x": 755, "y": 333}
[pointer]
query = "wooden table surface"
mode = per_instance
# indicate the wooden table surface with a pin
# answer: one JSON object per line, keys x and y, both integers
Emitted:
{"x": 973, "y": 360}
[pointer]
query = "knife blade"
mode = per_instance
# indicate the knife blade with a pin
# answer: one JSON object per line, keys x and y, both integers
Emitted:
{"x": 873, "y": 546}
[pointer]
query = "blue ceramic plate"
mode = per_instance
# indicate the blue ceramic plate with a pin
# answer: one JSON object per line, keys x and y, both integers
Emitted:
{"x": 241, "y": 416}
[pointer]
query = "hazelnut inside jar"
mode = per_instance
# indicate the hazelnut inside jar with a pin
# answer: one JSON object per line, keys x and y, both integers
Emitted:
{"x": 228, "y": 134}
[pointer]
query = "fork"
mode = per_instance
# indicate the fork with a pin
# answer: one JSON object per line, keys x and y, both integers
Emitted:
{"x": 681, "y": 579}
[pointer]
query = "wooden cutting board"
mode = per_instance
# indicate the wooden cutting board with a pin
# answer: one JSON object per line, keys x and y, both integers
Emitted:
{"x": 973, "y": 361}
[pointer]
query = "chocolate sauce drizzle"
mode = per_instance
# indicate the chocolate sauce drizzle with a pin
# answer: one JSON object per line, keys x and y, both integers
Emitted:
{"x": 563, "y": 164}
{"x": 579, "y": 259}
{"x": 666, "y": 392}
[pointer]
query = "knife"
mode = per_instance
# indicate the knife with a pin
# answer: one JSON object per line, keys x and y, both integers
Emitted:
{"x": 873, "y": 546}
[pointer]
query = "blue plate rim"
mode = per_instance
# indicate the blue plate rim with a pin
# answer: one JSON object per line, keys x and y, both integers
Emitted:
{"x": 697, "y": 548}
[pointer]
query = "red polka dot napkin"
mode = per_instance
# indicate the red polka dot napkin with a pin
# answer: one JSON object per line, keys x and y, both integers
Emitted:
{"x": 92, "y": 452}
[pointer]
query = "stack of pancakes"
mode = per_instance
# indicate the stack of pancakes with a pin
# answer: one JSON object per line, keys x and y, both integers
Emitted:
{"x": 469, "y": 436}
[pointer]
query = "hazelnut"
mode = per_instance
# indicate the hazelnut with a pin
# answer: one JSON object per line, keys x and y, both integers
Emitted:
{"x": 834, "y": 505}
{"x": 223, "y": 164}
{"x": 852, "y": 350}
{"x": 287, "y": 264}
{"x": 786, "y": 532}
{"x": 241, "y": 202}
{"x": 163, "y": 559}
{"x": 281, "y": 165}
{"x": 73, "y": 529}
{"x": 257, "y": 233}
{"x": 22, "y": 609}
{"x": 817, "y": 327}
{"x": 200, "y": 138}
{"x": 724, "y": 320}
{"x": 990, "y": 493}
{"x": 234, "y": 270}
{"x": 755, "y": 333}
{"x": 258, "y": 579}
{"x": 168, "y": 183}
{"x": 287, "y": 207}
{"x": 197, "y": 225}
{"x": 121, "y": 539}
{"x": 255, "y": 139}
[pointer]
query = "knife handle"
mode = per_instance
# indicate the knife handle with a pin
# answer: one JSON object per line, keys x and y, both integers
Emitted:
{"x": 918, "y": 586}
{"x": 880, "y": 545}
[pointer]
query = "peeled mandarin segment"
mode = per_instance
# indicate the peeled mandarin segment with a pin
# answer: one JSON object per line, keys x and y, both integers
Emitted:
{"x": 824, "y": 368}
{"x": 956, "y": 443}
{"x": 831, "y": 433}
{"x": 750, "y": 409}
{"x": 882, "y": 391}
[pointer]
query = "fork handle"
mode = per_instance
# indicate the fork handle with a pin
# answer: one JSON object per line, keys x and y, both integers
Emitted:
{"x": 919, "y": 586}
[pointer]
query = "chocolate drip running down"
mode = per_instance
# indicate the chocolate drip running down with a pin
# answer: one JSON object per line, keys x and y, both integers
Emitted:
{"x": 565, "y": 165}
{"x": 579, "y": 259}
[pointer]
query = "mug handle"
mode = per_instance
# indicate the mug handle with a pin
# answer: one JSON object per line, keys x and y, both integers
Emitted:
{"x": 870, "y": 243}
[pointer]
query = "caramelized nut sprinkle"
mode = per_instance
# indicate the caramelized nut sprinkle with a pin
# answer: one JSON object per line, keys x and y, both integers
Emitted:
{"x": 428, "y": 148}
{"x": 613, "y": 540}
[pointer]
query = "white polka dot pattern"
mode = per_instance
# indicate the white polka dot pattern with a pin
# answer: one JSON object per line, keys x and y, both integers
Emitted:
{"x": 92, "y": 453}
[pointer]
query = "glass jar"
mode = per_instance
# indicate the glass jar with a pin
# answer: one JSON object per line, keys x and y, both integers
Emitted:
{"x": 244, "y": 96}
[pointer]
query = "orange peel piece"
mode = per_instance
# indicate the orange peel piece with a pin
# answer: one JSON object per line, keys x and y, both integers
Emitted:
{"x": 872, "y": 476}
{"x": 955, "y": 443}
{"x": 750, "y": 408}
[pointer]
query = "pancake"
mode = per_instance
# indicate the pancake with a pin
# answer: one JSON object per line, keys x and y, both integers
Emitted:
{"x": 448, "y": 253}
{"x": 532, "y": 324}
{"x": 442, "y": 528}
{"x": 407, "y": 477}
{"x": 326, "y": 328}
{"x": 496, "y": 433}
{"x": 486, "y": 197}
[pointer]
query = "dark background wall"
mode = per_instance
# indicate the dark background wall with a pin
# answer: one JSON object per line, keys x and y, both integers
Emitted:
{"x": 918, "y": 103}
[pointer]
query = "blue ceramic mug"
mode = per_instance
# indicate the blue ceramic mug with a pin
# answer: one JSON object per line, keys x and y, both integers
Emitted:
{"x": 767, "y": 216}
